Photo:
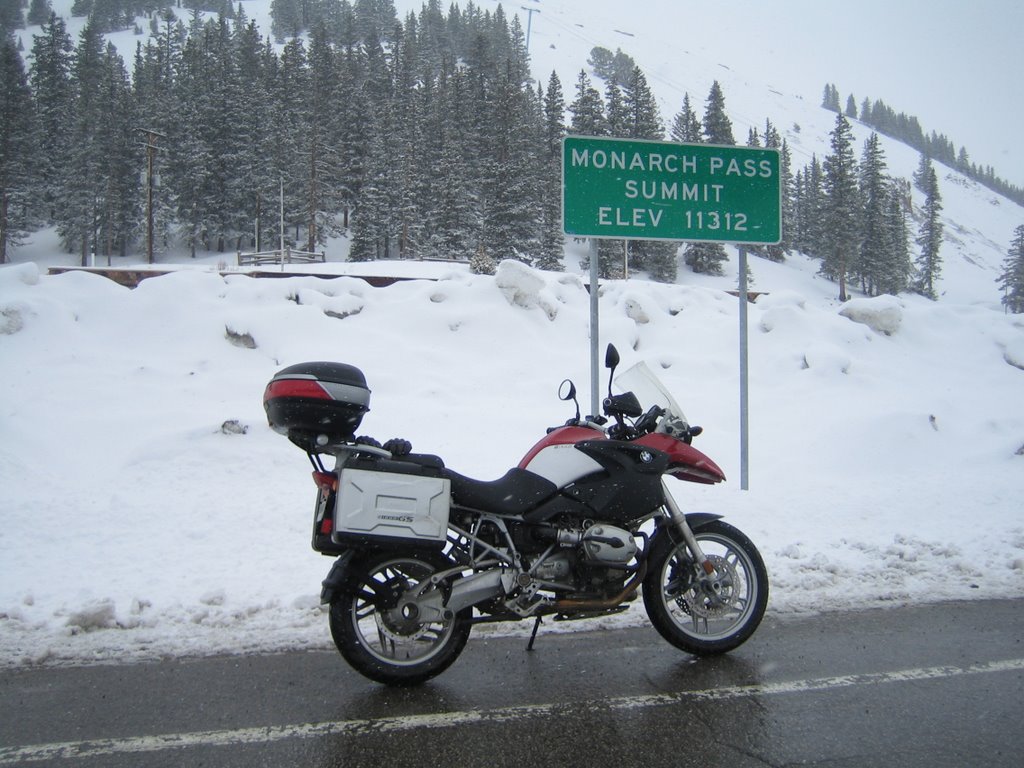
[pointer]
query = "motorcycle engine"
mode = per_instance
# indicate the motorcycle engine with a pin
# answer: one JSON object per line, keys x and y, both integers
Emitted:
{"x": 606, "y": 545}
{"x": 554, "y": 568}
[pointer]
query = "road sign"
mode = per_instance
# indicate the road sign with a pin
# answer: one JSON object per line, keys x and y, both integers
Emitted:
{"x": 657, "y": 190}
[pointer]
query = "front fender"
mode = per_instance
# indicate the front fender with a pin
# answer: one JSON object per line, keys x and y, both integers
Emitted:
{"x": 338, "y": 576}
{"x": 699, "y": 519}
{"x": 696, "y": 521}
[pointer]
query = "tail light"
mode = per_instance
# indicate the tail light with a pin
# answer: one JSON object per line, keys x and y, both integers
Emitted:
{"x": 327, "y": 482}
{"x": 295, "y": 388}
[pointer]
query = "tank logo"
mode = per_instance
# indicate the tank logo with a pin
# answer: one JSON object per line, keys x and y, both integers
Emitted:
{"x": 396, "y": 518}
{"x": 646, "y": 457}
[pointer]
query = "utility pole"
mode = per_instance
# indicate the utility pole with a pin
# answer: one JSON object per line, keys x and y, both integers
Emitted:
{"x": 151, "y": 150}
{"x": 529, "y": 23}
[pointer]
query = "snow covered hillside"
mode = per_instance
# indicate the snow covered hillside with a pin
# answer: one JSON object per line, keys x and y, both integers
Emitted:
{"x": 147, "y": 509}
{"x": 139, "y": 520}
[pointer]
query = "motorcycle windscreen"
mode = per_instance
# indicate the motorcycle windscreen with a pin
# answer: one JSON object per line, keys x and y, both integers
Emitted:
{"x": 641, "y": 381}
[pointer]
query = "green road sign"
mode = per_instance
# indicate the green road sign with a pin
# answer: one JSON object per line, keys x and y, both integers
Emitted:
{"x": 657, "y": 190}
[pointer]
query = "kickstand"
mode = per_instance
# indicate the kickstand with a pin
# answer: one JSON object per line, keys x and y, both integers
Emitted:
{"x": 536, "y": 626}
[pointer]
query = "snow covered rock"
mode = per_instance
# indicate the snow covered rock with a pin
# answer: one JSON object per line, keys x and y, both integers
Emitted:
{"x": 882, "y": 314}
{"x": 635, "y": 311}
{"x": 26, "y": 274}
{"x": 781, "y": 298}
{"x": 525, "y": 287}
{"x": 11, "y": 319}
{"x": 1013, "y": 353}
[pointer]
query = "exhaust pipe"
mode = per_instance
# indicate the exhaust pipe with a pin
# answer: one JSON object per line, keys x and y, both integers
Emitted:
{"x": 572, "y": 606}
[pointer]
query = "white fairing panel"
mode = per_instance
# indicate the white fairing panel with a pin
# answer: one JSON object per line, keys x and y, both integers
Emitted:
{"x": 562, "y": 464}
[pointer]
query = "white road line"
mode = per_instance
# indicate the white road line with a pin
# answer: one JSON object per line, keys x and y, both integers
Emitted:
{"x": 270, "y": 734}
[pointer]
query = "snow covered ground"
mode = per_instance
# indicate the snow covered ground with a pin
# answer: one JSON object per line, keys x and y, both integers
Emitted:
{"x": 885, "y": 467}
{"x": 886, "y": 463}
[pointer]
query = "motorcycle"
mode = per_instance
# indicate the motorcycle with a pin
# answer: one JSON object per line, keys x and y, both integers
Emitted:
{"x": 576, "y": 530}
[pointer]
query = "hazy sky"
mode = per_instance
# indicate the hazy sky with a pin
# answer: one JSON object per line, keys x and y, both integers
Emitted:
{"x": 956, "y": 65}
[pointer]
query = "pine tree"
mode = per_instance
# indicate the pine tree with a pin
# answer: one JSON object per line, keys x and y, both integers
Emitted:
{"x": 657, "y": 257}
{"x": 796, "y": 233}
{"x": 50, "y": 80}
{"x": 920, "y": 177}
{"x": 39, "y": 11}
{"x": 686, "y": 127}
{"x": 254, "y": 184}
{"x": 641, "y": 108}
{"x": 587, "y": 109}
{"x": 851, "y": 107}
{"x": 81, "y": 191}
{"x": 453, "y": 216}
{"x": 615, "y": 110}
{"x": 370, "y": 222}
{"x": 717, "y": 126}
{"x": 875, "y": 246}
{"x": 10, "y": 18}
{"x": 842, "y": 206}
{"x": 552, "y": 242}
{"x": 773, "y": 140}
{"x": 200, "y": 139}
{"x": 1012, "y": 279}
{"x": 409, "y": 145}
{"x": 929, "y": 237}
{"x": 809, "y": 210}
{"x": 708, "y": 258}
{"x": 287, "y": 19}
{"x": 896, "y": 269}
{"x": 323, "y": 177}
{"x": 830, "y": 98}
{"x": 512, "y": 214}
{"x": 705, "y": 258}
{"x": 225, "y": 202}
{"x": 17, "y": 149}
{"x": 119, "y": 142}
{"x": 290, "y": 128}
{"x": 155, "y": 104}
{"x": 376, "y": 223}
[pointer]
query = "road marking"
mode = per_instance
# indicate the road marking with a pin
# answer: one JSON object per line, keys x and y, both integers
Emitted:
{"x": 269, "y": 734}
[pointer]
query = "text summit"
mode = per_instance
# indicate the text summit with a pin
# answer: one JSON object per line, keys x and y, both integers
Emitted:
{"x": 671, "y": 163}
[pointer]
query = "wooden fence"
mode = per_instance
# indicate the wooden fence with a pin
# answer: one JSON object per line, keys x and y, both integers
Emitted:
{"x": 276, "y": 257}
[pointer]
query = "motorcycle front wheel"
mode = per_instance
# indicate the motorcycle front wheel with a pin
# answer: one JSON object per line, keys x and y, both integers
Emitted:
{"x": 706, "y": 616}
{"x": 374, "y": 637}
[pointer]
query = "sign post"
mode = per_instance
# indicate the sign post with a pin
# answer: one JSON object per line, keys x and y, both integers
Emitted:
{"x": 634, "y": 189}
{"x": 744, "y": 390}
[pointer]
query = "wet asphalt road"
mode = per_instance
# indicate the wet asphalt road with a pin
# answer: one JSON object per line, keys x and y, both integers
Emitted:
{"x": 939, "y": 685}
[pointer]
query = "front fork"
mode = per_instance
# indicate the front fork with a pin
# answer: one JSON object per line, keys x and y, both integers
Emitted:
{"x": 679, "y": 519}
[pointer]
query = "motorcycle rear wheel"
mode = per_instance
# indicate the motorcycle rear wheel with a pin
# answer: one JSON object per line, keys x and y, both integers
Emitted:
{"x": 693, "y": 616}
{"x": 373, "y": 636}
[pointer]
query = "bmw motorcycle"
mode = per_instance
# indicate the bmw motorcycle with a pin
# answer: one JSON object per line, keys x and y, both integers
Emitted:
{"x": 583, "y": 525}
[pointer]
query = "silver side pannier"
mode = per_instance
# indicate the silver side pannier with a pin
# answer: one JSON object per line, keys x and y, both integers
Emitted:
{"x": 375, "y": 507}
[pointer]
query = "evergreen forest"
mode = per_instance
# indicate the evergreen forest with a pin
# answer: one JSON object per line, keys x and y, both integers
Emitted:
{"x": 421, "y": 137}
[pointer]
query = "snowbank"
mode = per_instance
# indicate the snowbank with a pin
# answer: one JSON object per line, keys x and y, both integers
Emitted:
{"x": 882, "y": 314}
{"x": 135, "y": 524}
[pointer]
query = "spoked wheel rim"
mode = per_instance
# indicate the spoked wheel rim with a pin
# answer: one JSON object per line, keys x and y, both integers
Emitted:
{"x": 715, "y": 610}
{"x": 388, "y": 633}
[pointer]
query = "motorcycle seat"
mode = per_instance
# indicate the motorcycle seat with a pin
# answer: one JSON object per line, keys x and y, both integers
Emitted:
{"x": 422, "y": 459}
{"x": 516, "y": 493}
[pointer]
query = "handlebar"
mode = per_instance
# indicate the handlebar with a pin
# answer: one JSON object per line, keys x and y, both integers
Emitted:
{"x": 647, "y": 423}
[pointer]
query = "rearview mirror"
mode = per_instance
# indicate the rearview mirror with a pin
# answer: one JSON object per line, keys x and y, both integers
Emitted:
{"x": 611, "y": 360}
{"x": 611, "y": 357}
{"x": 567, "y": 391}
